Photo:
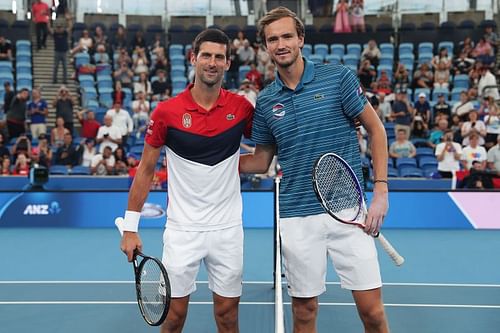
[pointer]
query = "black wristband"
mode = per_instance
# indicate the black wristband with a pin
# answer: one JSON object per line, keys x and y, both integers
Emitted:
{"x": 380, "y": 181}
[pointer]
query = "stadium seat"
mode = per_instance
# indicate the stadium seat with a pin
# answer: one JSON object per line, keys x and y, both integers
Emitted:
{"x": 316, "y": 58}
{"x": 424, "y": 58}
{"x": 177, "y": 60}
{"x": 80, "y": 170}
{"x": 455, "y": 94}
{"x": 354, "y": 48}
{"x": 321, "y": 49}
{"x": 447, "y": 26}
{"x": 387, "y": 49}
{"x": 179, "y": 83}
{"x": 431, "y": 171}
{"x": 176, "y": 49}
{"x": 333, "y": 59}
{"x": 406, "y": 161}
{"x": 307, "y": 50}
{"x": 387, "y": 60}
{"x": 337, "y": 49}
{"x": 178, "y": 71}
{"x": 408, "y": 26}
{"x": 392, "y": 172}
{"x": 81, "y": 59}
{"x": 57, "y": 169}
{"x": 351, "y": 60}
{"x": 466, "y": 24}
{"x": 461, "y": 81}
{"x": 409, "y": 171}
{"x": 405, "y": 48}
{"x": 424, "y": 151}
{"x": 438, "y": 91}
{"x": 448, "y": 45}
{"x": 425, "y": 47}
{"x": 243, "y": 70}
{"x": 427, "y": 26}
{"x": 425, "y": 161}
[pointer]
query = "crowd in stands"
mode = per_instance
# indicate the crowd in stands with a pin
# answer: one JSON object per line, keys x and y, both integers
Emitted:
{"x": 438, "y": 103}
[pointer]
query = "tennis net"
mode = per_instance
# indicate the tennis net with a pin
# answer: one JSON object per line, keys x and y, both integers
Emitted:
{"x": 279, "y": 318}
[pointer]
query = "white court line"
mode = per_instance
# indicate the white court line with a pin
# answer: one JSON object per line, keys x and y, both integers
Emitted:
{"x": 472, "y": 285}
{"x": 402, "y": 305}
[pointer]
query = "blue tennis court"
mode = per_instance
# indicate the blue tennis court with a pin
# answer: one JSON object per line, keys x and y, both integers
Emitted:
{"x": 62, "y": 280}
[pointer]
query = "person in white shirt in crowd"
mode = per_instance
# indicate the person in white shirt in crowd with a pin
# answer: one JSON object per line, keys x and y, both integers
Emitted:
{"x": 248, "y": 90}
{"x": 108, "y": 135}
{"x": 371, "y": 52}
{"x": 473, "y": 152}
{"x": 448, "y": 154}
{"x": 246, "y": 53}
{"x": 103, "y": 164}
{"x": 122, "y": 120}
{"x": 487, "y": 85}
{"x": 492, "y": 122}
{"x": 88, "y": 151}
{"x": 473, "y": 126}
{"x": 140, "y": 108}
{"x": 384, "y": 106}
{"x": 462, "y": 107}
{"x": 493, "y": 157}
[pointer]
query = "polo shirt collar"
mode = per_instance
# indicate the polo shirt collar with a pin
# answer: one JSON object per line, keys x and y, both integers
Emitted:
{"x": 307, "y": 75}
{"x": 191, "y": 105}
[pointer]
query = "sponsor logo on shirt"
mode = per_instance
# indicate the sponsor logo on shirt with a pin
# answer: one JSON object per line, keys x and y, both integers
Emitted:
{"x": 149, "y": 131}
{"x": 318, "y": 97}
{"x": 359, "y": 91}
{"x": 278, "y": 111}
{"x": 230, "y": 116}
{"x": 186, "y": 120}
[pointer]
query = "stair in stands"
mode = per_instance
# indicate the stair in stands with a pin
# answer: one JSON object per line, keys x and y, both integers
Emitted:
{"x": 43, "y": 64}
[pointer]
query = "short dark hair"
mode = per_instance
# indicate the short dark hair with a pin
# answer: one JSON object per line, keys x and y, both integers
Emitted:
{"x": 212, "y": 35}
{"x": 275, "y": 15}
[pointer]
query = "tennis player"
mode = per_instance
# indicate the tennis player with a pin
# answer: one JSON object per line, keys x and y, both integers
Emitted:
{"x": 202, "y": 129}
{"x": 311, "y": 109}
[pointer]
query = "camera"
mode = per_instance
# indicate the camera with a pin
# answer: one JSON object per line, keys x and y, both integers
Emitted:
{"x": 106, "y": 135}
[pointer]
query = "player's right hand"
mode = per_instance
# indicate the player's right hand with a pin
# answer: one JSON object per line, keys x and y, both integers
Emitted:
{"x": 130, "y": 242}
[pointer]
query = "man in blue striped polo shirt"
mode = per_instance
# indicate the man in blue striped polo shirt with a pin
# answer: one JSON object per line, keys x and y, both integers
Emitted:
{"x": 311, "y": 109}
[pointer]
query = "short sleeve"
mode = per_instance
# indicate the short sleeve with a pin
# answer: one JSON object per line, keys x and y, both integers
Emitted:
{"x": 353, "y": 97}
{"x": 249, "y": 112}
{"x": 156, "y": 133}
{"x": 260, "y": 130}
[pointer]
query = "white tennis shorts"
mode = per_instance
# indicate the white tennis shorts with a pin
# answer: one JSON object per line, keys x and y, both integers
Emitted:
{"x": 308, "y": 241}
{"x": 220, "y": 250}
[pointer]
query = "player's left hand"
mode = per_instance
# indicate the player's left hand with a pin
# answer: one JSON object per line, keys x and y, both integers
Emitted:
{"x": 376, "y": 212}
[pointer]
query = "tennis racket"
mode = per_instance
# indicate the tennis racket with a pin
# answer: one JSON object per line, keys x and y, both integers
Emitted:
{"x": 340, "y": 193}
{"x": 152, "y": 286}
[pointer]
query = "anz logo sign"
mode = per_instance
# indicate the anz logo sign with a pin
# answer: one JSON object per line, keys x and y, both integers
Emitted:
{"x": 43, "y": 209}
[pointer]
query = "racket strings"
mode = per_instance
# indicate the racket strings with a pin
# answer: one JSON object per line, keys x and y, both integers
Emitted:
{"x": 337, "y": 188}
{"x": 153, "y": 291}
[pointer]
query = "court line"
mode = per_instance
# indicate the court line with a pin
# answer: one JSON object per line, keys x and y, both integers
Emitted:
{"x": 411, "y": 284}
{"x": 403, "y": 305}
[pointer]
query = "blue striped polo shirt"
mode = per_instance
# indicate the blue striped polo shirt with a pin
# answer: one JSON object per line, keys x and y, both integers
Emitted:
{"x": 315, "y": 118}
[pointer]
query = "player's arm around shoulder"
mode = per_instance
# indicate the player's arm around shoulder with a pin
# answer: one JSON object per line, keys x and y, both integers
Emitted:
{"x": 137, "y": 196}
{"x": 259, "y": 161}
{"x": 380, "y": 203}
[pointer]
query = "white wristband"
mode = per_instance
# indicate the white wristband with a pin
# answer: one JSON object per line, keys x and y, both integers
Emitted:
{"x": 131, "y": 221}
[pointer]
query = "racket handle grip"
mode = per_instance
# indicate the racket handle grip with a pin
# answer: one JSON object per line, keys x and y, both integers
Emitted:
{"x": 390, "y": 250}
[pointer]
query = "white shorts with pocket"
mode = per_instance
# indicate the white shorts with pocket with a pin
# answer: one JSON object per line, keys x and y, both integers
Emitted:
{"x": 220, "y": 250}
{"x": 308, "y": 241}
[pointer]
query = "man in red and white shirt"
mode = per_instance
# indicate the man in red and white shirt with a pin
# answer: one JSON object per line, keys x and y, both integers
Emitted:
{"x": 201, "y": 129}
{"x": 41, "y": 12}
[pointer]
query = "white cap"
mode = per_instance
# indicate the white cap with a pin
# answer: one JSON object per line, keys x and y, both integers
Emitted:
{"x": 421, "y": 95}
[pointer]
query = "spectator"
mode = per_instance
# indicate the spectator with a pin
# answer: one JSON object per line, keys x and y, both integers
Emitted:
{"x": 157, "y": 46}
{"x": 140, "y": 62}
{"x": 5, "y": 49}
{"x": 103, "y": 163}
{"x": 67, "y": 154}
{"x": 263, "y": 58}
{"x": 462, "y": 107}
{"x": 491, "y": 37}
{"x": 122, "y": 120}
{"x": 493, "y": 158}
{"x": 423, "y": 108}
{"x": 161, "y": 64}
{"x": 492, "y": 122}
{"x": 371, "y": 52}
{"x": 118, "y": 94}
{"x": 63, "y": 103}
{"x": 401, "y": 78}
{"x": 138, "y": 43}
{"x": 402, "y": 147}
{"x": 232, "y": 75}
{"x": 357, "y": 16}
{"x": 342, "y": 17}
{"x": 441, "y": 76}
{"x": 42, "y": 154}
{"x": 101, "y": 57}
{"x": 121, "y": 166}
{"x": 40, "y": 11}
{"x": 448, "y": 154}
{"x": 487, "y": 105}
{"x": 22, "y": 166}
{"x": 22, "y": 146}
{"x": 423, "y": 77}
{"x": 441, "y": 110}
{"x": 442, "y": 59}
{"x": 4, "y": 151}
{"x": 456, "y": 127}
{"x": 487, "y": 85}
{"x": 89, "y": 124}
{"x": 437, "y": 134}
{"x": 124, "y": 75}
{"x": 483, "y": 52}
{"x": 402, "y": 113}
{"x": 7, "y": 97}
{"x": 462, "y": 64}
{"x": 5, "y": 167}
{"x": 270, "y": 74}
{"x": 475, "y": 74}
{"x": 123, "y": 57}
{"x": 419, "y": 128}
{"x": 58, "y": 132}
{"x": 383, "y": 83}
{"x": 88, "y": 152}
{"x": 16, "y": 116}
{"x": 366, "y": 74}
{"x": 37, "y": 110}
{"x": 109, "y": 135}
{"x": 143, "y": 85}
{"x": 120, "y": 39}
{"x": 161, "y": 88}
{"x": 248, "y": 90}
{"x": 246, "y": 54}
{"x": 473, "y": 152}
{"x": 466, "y": 47}
{"x": 240, "y": 40}
{"x": 133, "y": 163}
{"x": 473, "y": 126}
{"x": 100, "y": 37}
{"x": 140, "y": 109}
{"x": 385, "y": 106}
{"x": 84, "y": 44}
{"x": 61, "y": 47}
{"x": 478, "y": 178}
{"x": 255, "y": 77}
{"x": 376, "y": 106}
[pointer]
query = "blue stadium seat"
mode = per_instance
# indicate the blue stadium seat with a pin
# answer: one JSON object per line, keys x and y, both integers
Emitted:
{"x": 316, "y": 58}
{"x": 81, "y": 59}
{"x": 179, "y": 82}
{"x": 409, "y": 171}
{"x": 353, "y": 48}
{"x": 431, "y": 171}
{"x": 136, "y": 149}
{"x": 392, "y": 172}
{"x": 425, "y": 47}
{"x": 178, "y": 71}
{"x": 405, "y": 48}
{"x": 80, "y": 170}
{"x": 307, "y": 50}
{"x": 425, "y": 58}
{"x": 57, "y": 169}
{"x": 337, "y": 49}
{"x": 351, "y": 60}
{"x": 243, "y": 70}
{"x": 333, "y": 59}
{"x": 321, "y": 49}
{"x": 175, "y": 49}
{"x": 438, "y": 91}
{"x": 424, "y": 151}
{"x": 461, "y": 81}
{"x": 448, "y": 45}
{"x": 386, "y": 49}
{"x": 406, "y": 161}
{"x": 386, "y": 60}
{"x": 455, "y": 93}
{"x": 427, "y": 161}
{"x": 177, "y": 60}
{"x": 6, "y": 67}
